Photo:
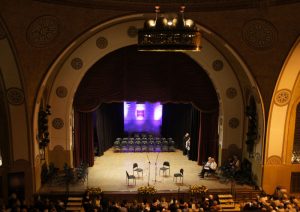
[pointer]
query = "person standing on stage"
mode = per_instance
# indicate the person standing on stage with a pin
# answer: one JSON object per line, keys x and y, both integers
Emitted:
{"x": 187, "y": 140}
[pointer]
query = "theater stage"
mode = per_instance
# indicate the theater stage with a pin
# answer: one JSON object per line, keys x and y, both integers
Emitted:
{"x": 109, "y": 173}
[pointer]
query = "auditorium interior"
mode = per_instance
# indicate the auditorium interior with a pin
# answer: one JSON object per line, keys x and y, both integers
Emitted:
{"x": 71, "y": 73}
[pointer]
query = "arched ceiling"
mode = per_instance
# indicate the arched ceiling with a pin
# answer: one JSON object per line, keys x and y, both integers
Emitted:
{"x": 192, "y": 5}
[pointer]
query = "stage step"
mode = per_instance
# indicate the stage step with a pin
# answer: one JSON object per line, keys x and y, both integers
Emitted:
{"x": 227, "y": 203}
{"x": 78, "y": 199}
{"x": 74, "y": 204}
{"x": 74, "y": 209}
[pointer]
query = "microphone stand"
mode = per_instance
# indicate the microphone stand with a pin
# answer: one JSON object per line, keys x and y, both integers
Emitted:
{"x": 148, "y": 169}
{"x": 156, "y": 166}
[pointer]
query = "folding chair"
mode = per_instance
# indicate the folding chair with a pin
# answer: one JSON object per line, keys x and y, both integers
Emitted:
{"x": 180, "y": 175}
{"x": 128, "y": 177}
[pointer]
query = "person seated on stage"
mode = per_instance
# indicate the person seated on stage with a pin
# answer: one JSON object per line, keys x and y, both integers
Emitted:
{"x": 235, "y": 165}
{"x": 210, "y": 166}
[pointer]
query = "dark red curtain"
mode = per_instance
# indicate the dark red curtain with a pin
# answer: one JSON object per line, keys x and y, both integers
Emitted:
{"x": 129, "y": 75}
{"x": 109, "y": 125}
{"x": 208, "y": 137}
{"x": 176, "y": 121}
{"x": 83, "y": 137}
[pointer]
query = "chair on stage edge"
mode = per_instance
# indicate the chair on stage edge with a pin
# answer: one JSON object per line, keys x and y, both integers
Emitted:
{"x": 164, "y": 168}
{"x": 180, "y": 175}
{"x": 136, "y": 169}
{"x": 130, "y": 177}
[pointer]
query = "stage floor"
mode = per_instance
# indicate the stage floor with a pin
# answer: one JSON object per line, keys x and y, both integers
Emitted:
{"x": 109, "y": 173}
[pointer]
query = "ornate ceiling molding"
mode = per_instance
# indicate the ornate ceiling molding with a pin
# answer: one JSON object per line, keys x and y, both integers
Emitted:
{"x": 43, "y": 30}
{"x": 193, "y": 5}
{"x": 259, "y": 34}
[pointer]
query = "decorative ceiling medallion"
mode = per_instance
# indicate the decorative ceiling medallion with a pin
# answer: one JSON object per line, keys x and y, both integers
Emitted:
{"x": 77, "y": 63}
{"x": 217, "y": 65}
{"x": 42, "y": 31}
{"x": 274, "y": 160}
{"x": 282, "y": 97}
{"x": 2, "y": 32}
{"x": 231, "y": 92}
{"x": 102, "y": 42}
{"x": 233, "y": 123}
{"x": 132, "y": 31}
{"x": 61, "y": 91}
{"x": 57, "y": 123}
{"x": 259, "y": 34}
{"x": 15, "y": 96}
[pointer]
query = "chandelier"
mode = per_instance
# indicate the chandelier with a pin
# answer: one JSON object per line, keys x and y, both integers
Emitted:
{"x": 169, "y": 32}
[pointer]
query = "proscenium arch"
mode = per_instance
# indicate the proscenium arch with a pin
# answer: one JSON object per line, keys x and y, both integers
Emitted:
{"x": 76, "y": 60}
{"x": 281, "y": 124}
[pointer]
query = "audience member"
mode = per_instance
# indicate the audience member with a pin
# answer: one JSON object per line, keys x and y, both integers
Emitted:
{"x": 279, "y": 201}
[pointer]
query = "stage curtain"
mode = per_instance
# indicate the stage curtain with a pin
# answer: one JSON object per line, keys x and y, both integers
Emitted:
{"x": 208, "y": 137}
{"x": 109, "y": 125}
{"x": 130, "y": 75}
{"x": 194, "y": 132}
{"x": 83, "y": 135}
{"x": 176, "y": 122}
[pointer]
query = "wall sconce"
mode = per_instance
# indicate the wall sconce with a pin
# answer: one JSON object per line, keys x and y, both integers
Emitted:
{"x": 42, "y": 153}
{"x": 0, "y": 158}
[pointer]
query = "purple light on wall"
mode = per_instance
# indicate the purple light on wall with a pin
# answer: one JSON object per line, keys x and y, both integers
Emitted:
{"x": 126, "y": 106}
{"x": 157, "y": 111}
{"x": 142, "y": 117}
{"x": 140, "y": 111}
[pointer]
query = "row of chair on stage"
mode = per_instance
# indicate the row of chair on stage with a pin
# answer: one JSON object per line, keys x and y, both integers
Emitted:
{"x": 165, "y": 170}
{"x": 145, "y": 140}
{"x": 144, "y": 144}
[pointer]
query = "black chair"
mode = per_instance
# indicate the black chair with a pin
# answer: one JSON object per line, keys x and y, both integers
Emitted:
{"x": 180, "y": 175}
{"x": 136, "y": 169}
{"x": 130, "y": 177}
{"x": 165, "y": 167}
{"x": 117, "y": 146}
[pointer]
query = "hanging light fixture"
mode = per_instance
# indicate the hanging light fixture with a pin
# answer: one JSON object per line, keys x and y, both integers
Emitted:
{"x": 169, "y": 32}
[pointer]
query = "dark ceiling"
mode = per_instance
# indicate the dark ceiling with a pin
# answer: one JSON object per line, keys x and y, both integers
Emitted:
{"x": 192, "y": 5}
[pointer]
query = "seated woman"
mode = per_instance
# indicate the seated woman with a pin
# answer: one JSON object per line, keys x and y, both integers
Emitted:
{"x": 210, "y": 166}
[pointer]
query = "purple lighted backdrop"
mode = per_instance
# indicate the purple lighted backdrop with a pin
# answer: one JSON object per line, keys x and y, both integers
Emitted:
{"x": 142, "y": 117}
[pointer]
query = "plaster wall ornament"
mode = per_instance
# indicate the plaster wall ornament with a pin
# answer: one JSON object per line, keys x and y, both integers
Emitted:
{"x": 15, "y": 96}
{"x": 42, "y": 31}
{"x": 259, "y": 34}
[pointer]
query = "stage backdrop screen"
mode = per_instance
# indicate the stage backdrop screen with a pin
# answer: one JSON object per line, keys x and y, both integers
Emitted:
{"x": 142, "y": 117}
